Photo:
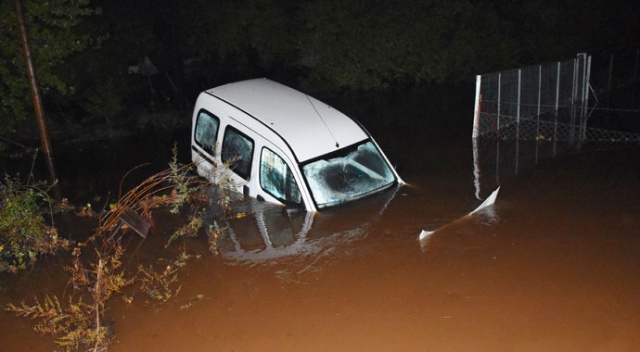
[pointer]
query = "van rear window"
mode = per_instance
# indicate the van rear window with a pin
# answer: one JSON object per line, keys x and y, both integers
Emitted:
{"x": 206, "y": 131}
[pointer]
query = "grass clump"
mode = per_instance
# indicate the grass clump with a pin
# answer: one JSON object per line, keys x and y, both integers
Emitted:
{"x": 159, "y": 286}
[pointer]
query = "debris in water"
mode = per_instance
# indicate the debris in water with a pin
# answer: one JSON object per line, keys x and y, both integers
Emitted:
{"x": 487, "y": 202}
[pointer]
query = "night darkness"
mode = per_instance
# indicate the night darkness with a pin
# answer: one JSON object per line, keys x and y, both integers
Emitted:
{"x": 323, "y": 47}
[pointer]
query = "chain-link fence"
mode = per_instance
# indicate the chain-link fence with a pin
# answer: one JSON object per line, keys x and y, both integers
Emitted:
{"x": 538, "y": 102}
{"x": 527, "y": 114}
{"x": 550, "y": 103}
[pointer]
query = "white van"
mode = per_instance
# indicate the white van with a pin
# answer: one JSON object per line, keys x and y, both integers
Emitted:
{"x": 285, "y": 147}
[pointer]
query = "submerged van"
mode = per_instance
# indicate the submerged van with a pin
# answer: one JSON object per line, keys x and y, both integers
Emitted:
{"x": 280, "y": 145}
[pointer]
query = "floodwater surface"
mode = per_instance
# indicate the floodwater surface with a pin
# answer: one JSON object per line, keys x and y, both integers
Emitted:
{"x": 554, "y": 265}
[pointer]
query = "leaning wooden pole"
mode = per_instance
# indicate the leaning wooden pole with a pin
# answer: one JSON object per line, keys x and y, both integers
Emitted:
{"x": 37, "y": 100}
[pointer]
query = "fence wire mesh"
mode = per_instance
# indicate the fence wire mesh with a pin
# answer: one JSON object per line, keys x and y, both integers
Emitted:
{"x": 542, "y": 102}
{"x": 541, "y": 130}
{"x": 522, "y": 103}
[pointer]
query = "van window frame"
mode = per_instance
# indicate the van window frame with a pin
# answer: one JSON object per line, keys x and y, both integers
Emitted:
{"x": 246, "y": 174}
{"x": 206, "y": 148}
{"x": 338, "y": 154}
{"x": 285, "y": 201}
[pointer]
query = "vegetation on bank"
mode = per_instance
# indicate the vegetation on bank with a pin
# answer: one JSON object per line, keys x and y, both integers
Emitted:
{"x": 102, "y": 62}
{"x": 25, "y": 235}
{"x": 77, "y": 318}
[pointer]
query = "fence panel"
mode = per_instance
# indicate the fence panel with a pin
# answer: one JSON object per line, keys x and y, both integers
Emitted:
{"x": 542, "y": 102}
{"x": 525, "y": 114}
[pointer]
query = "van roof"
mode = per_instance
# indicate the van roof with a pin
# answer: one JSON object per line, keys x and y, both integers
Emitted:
{"x": 310, "y": 127}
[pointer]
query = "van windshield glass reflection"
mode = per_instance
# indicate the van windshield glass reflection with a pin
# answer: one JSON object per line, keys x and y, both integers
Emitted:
{"x": 353, "y": 173}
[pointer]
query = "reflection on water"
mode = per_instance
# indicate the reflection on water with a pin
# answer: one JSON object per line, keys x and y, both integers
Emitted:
{"x": 495, "y": 160}
{"x": 269, "y": 235}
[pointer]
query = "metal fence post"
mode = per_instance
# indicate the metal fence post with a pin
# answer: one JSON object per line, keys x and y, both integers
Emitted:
{"x": 518, "y": 105}
{"x": 557, "y": 106}
{"x": 635, "y": 77}
{"x": 499, "y": 97}
{"x": 585, "y": 94}
{"x": 539, "y": 97}
{"x": 572, "y": 124}
{"x": 476, "y": 113}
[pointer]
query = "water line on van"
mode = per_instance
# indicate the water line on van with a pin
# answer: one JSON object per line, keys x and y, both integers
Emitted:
{"x": 323, "y": 122}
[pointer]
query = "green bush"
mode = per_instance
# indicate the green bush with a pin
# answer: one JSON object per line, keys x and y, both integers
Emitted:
{"x": 24, "y": 234}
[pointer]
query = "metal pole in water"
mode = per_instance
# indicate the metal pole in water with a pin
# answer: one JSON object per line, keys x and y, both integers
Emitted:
{"x": 37, "y": 100}
{"x": 477, "y": 112}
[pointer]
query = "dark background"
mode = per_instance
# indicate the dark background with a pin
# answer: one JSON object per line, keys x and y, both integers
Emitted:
{"x": 326, "y": 48}
{"x": 405, "y": 69}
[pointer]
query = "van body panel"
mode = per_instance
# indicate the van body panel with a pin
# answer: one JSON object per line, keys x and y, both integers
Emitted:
{"x": 311, "y": 127}
{"x": 258, "y": 134}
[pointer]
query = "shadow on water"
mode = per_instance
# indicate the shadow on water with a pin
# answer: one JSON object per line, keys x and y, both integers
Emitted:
{"x": 91, "y": 171}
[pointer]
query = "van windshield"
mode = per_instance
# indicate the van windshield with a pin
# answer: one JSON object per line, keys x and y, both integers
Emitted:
{"x": 352, "y": 173}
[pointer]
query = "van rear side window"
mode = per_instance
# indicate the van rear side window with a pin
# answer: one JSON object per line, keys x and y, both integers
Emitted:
{"x": 237, "y": 151}
{"x": 206, "y": 131}
{"x": 277, "y": 179}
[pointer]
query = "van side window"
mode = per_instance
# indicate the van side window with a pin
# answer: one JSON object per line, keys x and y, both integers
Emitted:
{"x": 237, "y": 151}
{"x": 276, "y": 178}
{"x": 206, "y": 131}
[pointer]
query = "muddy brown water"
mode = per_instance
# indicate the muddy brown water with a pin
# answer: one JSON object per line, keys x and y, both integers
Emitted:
{"x": 554, "y": 265}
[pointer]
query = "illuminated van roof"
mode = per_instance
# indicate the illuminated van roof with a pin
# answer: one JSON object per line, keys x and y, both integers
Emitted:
{"x": 310, "y": 127}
